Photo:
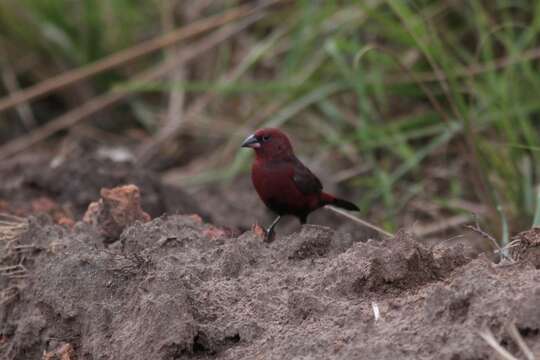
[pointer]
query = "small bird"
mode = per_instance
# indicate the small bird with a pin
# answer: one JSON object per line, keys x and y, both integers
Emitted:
{"x": 284, "y": 184}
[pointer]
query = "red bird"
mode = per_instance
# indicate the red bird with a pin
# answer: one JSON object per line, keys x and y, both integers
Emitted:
{"x": 284, "y": 184}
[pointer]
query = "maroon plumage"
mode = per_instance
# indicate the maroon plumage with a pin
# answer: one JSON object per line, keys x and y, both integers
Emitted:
{"x": 283, "y": 183}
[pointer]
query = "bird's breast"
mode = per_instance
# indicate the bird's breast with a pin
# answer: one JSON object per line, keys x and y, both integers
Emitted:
{"x": 275, "y": 185}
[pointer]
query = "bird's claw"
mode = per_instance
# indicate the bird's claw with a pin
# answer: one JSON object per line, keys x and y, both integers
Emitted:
{"x": 269, "y": 235}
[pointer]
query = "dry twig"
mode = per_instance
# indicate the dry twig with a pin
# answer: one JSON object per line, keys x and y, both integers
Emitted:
{"x": 477, "y": 229}
{"x": 14, "y": 271}
{"x": 516, "y": 336}
{"x": 9, "y": 77}
{"x": 176, "y": 96}
{"x": 501, "y": 352}
{"x": 470, "y": 71}
{"x": 441, "y": 225}
{"x": 359, "y": 221}
{"x": 11, "y": 227}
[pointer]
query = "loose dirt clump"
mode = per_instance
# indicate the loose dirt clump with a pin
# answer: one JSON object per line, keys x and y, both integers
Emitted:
{"x": 178, "y": 288}
{"x": 64, "y": 352}
{"x": 117, "y": 208}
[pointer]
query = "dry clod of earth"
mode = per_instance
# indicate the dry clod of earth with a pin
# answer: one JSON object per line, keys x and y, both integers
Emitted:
{"x": 117, "y": 208}
{"x": 178, "y": 288}
{"x": 64, "y": 352}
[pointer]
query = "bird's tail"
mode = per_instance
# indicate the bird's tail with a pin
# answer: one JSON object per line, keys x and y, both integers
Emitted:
{"x": 328, "y": 199}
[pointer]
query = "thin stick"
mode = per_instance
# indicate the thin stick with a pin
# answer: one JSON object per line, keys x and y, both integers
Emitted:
{"x": 477, "y": 229}
{"x": 13, "y": 218}
{"x": 470, "y": 71}
{"x": 144, "y": 48}
{"x": 376, "y": 311}
{"x": 175, "y": 111}
{"x": 443, "y": 225}
{"x": 514, "y": 333}
{"x": 501, "y": 352}
{"x": 113, "y": 96}
{"x": 12, "y": 85}
{"x": 359, "y": 221}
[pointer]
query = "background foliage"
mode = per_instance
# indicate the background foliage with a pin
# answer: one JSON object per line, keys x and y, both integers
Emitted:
{"x": 425, "y": 110}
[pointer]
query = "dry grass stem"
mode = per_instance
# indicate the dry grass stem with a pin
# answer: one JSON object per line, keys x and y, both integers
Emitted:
{"x": 119, "y": 58}
{"x": 110, "y": 98}
{"x": 516, "y": 336}
{"x": 441, "y": 225}
{"x": 500, "y": 352}
{"x": 359, "y": 221}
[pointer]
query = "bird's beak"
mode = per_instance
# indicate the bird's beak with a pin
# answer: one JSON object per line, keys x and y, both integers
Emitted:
{"x": 251, "y": 142}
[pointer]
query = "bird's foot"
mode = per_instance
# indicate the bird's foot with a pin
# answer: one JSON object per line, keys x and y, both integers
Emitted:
{"x": 269, "y": 235}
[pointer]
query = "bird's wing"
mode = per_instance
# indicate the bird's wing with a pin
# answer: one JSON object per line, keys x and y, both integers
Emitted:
{"x": 304, "y": 179}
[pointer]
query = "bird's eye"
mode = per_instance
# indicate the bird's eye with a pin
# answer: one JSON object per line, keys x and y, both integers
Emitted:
{"x": 266, "y": 137}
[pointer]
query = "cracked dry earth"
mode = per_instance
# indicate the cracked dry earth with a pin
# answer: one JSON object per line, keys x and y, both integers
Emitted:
{"x": 178, "y": 288}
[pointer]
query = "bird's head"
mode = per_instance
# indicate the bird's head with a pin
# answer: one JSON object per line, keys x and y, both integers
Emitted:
{"x": 269, "y": 144}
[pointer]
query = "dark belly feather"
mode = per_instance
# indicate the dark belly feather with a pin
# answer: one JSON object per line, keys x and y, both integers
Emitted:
{"x": 276, "y": 186}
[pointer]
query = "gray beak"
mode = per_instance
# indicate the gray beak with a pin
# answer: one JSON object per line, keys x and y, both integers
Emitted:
{"x": 251, "y": 142}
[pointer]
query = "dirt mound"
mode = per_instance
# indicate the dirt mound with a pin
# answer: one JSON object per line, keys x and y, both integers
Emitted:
{"x": 178, "y": 288}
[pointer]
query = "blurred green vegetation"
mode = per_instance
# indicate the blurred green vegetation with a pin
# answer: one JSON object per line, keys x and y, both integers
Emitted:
{"x": 76, "y": 32}
{"x": 422, "y": 101}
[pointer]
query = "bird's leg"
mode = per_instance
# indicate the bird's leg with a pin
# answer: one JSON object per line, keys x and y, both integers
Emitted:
{"x": 269, "y": 236}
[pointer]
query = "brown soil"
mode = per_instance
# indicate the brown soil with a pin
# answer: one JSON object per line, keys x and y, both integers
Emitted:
{"x": 76, "y": 181}
{"x": 177, "y": 287}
